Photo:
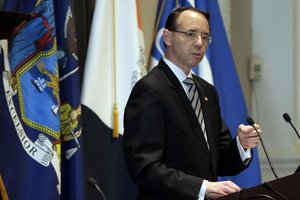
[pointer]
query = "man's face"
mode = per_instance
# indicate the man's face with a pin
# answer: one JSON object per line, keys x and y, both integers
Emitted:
{"x": 187, "y": 44}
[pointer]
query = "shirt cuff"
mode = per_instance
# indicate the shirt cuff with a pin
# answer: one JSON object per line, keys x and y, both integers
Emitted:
{"x": 245, "y": 154}
{"x": 202, "y": 191}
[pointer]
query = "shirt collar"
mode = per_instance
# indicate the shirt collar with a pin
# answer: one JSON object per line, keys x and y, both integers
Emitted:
{"x": 181, "y": 76}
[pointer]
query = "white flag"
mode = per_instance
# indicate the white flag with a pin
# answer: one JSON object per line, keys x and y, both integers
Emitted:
{"x": 115, "y": 58}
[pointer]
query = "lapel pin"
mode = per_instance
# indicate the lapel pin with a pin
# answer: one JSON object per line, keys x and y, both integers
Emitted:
{"x": 205, "y": 98}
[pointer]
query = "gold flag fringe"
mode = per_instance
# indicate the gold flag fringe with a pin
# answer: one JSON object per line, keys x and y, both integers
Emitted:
{"x": 3, "y": 190}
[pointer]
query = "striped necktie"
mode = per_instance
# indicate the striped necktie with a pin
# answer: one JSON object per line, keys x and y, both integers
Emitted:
{"x": 196, "y": 104}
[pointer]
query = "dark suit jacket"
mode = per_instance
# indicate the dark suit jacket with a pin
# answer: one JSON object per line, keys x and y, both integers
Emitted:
{"x": 165, "y": 150}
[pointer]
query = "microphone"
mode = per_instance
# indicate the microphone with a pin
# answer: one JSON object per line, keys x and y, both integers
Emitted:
{"x": 93, "y": 183}
{"x": 287, "y": 118}
{"x": 250, "y": 121}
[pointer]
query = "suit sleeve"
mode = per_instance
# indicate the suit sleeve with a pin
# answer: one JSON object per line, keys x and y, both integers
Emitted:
{"x": 144, "y": 140}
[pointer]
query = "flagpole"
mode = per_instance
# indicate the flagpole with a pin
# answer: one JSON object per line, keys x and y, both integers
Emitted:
{"x": 115, "y": 133}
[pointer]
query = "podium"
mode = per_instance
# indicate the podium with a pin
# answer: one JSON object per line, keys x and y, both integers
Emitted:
{"x": 286, "y": 188}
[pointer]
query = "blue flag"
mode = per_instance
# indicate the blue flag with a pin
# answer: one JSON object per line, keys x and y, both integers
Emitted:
{"x": 217, "y": 68}
{"x": 40, "y": 107}
{"x": 70, "y": 109}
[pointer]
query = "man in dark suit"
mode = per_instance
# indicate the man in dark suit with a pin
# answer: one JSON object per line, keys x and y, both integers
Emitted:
{"x": 175, "y": 141}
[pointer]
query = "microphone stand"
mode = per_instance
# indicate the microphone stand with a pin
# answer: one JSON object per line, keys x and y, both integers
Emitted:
{"x": 251, "y": 123}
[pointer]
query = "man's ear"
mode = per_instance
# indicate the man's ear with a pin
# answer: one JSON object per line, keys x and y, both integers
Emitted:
{"x": 167, "y": 36}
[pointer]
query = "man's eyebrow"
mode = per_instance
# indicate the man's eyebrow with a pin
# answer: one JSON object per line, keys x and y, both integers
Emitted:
{"x": 192, "y": 30}
{"x": 196, "y": 30}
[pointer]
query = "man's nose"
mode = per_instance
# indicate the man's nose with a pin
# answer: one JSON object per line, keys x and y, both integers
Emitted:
{"x": 198, "y": 41}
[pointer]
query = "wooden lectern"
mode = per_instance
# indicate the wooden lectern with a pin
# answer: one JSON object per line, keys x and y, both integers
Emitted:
{"x": 9, "y": 21}
{"x": 286, "y": 188}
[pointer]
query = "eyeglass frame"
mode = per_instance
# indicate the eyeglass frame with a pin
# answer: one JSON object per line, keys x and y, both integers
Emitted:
{"x": 194, "y": 35}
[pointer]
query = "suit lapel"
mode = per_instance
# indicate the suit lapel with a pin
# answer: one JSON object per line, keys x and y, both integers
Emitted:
{"x": 183, "y": 101}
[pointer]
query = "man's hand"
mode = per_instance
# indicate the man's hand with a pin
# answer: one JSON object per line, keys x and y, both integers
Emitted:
{"x": 248, "y": 136}
{"x": 216, "y": 190}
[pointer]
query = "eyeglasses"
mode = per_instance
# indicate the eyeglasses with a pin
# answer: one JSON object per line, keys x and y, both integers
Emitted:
{"x": 206, "y": 38}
